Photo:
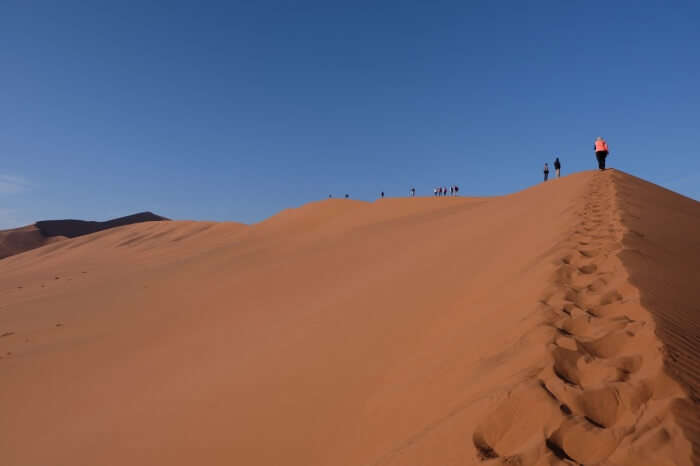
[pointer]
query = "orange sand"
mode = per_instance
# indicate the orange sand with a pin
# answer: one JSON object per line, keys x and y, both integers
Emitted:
{"x": 558, "y": 325}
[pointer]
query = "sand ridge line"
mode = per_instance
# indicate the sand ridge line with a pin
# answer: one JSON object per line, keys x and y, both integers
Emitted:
{"x": 604, "y": 397}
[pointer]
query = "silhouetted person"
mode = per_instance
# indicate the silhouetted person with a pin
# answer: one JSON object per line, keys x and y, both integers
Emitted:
{"x": 435, "y": 192}
{"x": 557, "y": 167}
{"x": 382, "y": 194}
{"x": 546, "y": 171}
{"x": 347, "y": 196}
{"x": 330, "y": 196}
{"x": 456, "y": 189}
{"x": 413, "y": 192}
{"x": 601, "y": 152}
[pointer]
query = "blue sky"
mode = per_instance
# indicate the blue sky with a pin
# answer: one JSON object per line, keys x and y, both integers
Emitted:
{"x": 236, "y": 110}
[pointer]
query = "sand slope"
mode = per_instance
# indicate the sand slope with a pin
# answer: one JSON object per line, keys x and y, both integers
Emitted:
{"x": 511, "y": 330}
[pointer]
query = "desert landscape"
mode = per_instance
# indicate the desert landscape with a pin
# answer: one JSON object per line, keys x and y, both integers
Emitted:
{"x": 558, "y": 325}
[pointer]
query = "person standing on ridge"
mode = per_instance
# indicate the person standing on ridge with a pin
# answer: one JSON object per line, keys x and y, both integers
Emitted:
{"x": 601, "y": 151}
{"x": 557, "y": 167}
{"x": 546, "y": 171}
{"x": 382, "y": 194}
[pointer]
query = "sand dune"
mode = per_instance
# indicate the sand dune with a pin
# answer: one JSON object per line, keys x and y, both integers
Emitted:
{"x": 557, "y": 325}
{"x": 44, "y": 232}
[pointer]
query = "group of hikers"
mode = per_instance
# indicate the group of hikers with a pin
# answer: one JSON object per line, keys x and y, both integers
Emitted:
{"x": 443, "y": 191}
{"x": 601, "y": 152}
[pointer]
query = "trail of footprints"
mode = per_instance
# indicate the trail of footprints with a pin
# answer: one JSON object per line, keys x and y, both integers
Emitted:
{"x": 598, "y": 378}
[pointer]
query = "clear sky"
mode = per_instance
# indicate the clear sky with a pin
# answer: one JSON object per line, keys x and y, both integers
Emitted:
{"x": 236, "y": 110}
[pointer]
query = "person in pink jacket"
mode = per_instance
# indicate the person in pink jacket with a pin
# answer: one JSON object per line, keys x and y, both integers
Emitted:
{"x": 601, "y": 152}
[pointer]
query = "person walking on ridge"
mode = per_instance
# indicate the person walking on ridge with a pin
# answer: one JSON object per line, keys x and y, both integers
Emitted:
{"x": 546, "y": 171}
{"x": 557, "y": 167}
{"x": 601, "y": 151}
{"x": 382, "y": 194}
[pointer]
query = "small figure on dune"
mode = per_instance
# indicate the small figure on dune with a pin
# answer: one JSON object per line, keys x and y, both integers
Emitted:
{"x": 382, "y": 194}
{"x": 456, "y": 190}
{"x": 601, "y": 151}
{"x": 557, "y": 167}
{"x": 435, "y": 192}
{"x": 546, "y": 171}
{"x": 330, "y": 196}
{"x": 347, "y": 196}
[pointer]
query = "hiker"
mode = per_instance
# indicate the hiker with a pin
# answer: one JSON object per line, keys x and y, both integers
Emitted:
{"x": 347, "y": 196}
{"x": 546, "y": 171}
{"x": 456, "y": 189}
{"x": 557, "y": 167}
{"x": 601, "y": 151}
{"x": 444, "y": 190}
{"x": 435, "y": 192}
{"x": 413, "y": 192}
{"x": 382, "y": 193}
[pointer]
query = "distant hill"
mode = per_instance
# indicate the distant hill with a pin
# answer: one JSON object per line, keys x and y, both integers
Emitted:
{"x": 18, "y": 240}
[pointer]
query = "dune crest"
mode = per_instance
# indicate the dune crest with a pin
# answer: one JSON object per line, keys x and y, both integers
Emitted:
{"x": 529, "y": 329}
{"x": 604, "y": 394}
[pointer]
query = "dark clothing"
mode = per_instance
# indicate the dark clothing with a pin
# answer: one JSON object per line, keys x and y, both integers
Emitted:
{"x": 557, "y": 165}
{"x": 546, "y": 174}
{"x": 600, "y": 155}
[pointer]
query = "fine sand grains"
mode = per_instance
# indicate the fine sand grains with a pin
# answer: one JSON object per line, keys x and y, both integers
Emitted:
{"x": 604, "y": 396}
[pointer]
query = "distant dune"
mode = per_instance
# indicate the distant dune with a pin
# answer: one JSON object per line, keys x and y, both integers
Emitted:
{"x": 45, "y": 232}
{"x": 555, "y": 326}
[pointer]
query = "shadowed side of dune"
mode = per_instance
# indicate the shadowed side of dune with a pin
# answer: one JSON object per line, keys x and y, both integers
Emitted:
{"x": 22, "y": 239}
{"x": 73, "y": 228}
{"x": 18, "y": 240}
{"x": 662, "y": 256}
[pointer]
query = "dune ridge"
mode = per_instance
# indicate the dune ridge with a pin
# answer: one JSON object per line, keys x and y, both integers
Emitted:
{"x": 605, "y": 395}
{"x": 525, "y": 329}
